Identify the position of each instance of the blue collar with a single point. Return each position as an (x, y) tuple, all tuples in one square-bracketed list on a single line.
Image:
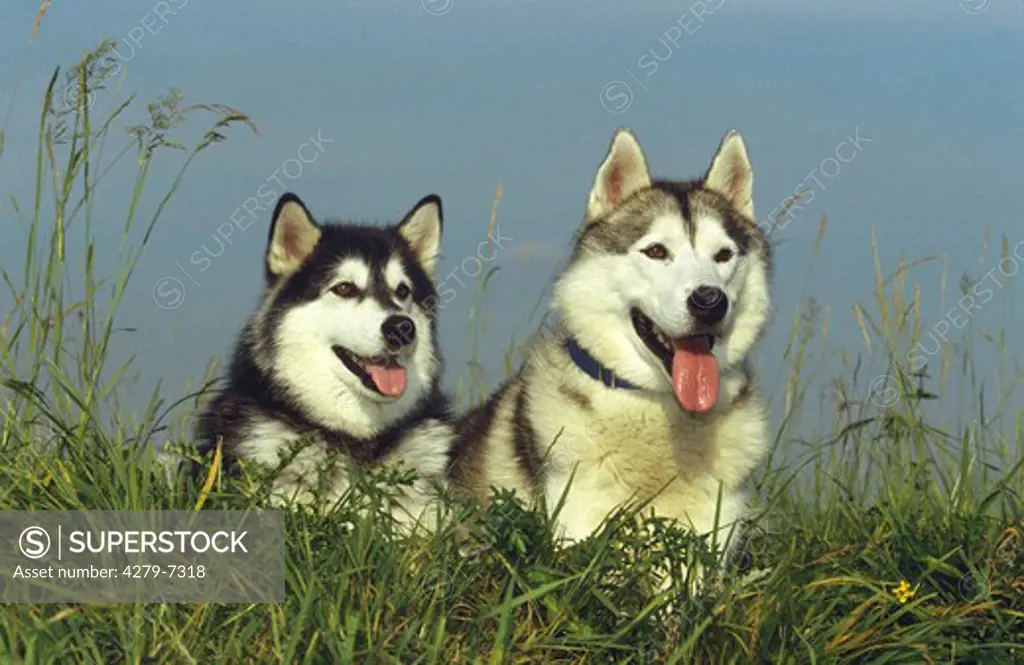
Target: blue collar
[(594, 368)]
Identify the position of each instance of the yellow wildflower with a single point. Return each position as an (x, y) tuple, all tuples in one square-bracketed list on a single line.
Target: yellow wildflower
[(903, 592)]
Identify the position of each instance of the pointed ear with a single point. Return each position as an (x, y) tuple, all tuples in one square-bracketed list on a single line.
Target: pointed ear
[(623, 172), (293, 235), (731, 174), (421, 228)]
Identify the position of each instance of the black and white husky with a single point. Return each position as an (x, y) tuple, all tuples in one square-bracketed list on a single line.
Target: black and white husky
[(643, 391), (342, 353)]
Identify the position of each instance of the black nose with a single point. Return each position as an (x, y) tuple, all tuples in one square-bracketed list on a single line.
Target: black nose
[(398, 331), (708, 304)]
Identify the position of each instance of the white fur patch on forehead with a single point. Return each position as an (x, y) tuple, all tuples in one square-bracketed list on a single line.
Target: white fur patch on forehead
[(353, 270), (395, 274), (710, 234), (667, 228)]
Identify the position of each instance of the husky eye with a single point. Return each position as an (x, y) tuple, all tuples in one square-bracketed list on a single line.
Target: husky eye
[(723, 256), (656, 251), (345, 290), (402, 292)]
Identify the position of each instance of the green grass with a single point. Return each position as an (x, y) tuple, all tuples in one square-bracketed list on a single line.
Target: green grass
[(885, 496)]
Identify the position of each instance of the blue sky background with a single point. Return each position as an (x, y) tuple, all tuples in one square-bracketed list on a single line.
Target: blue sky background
[(515, 92)]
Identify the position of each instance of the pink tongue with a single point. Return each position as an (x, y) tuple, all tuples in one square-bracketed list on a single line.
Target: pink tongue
[(695, 374), (389, 379)]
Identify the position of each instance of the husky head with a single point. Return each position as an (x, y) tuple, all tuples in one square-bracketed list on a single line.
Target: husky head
[(345, 329), (668, 282)]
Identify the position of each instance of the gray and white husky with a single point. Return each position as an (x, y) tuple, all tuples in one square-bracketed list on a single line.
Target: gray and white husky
[(341, 353), (643, 391)]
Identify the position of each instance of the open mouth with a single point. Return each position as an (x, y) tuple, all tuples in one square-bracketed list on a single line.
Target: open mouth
[(688, 361), (383, 374)]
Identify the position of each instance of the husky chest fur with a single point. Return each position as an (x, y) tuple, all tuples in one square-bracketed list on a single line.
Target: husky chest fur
[(341, 353), (641, 389)]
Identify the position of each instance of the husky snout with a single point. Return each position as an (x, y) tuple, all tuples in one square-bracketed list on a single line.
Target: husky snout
[(399, 333), (708, 305)]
